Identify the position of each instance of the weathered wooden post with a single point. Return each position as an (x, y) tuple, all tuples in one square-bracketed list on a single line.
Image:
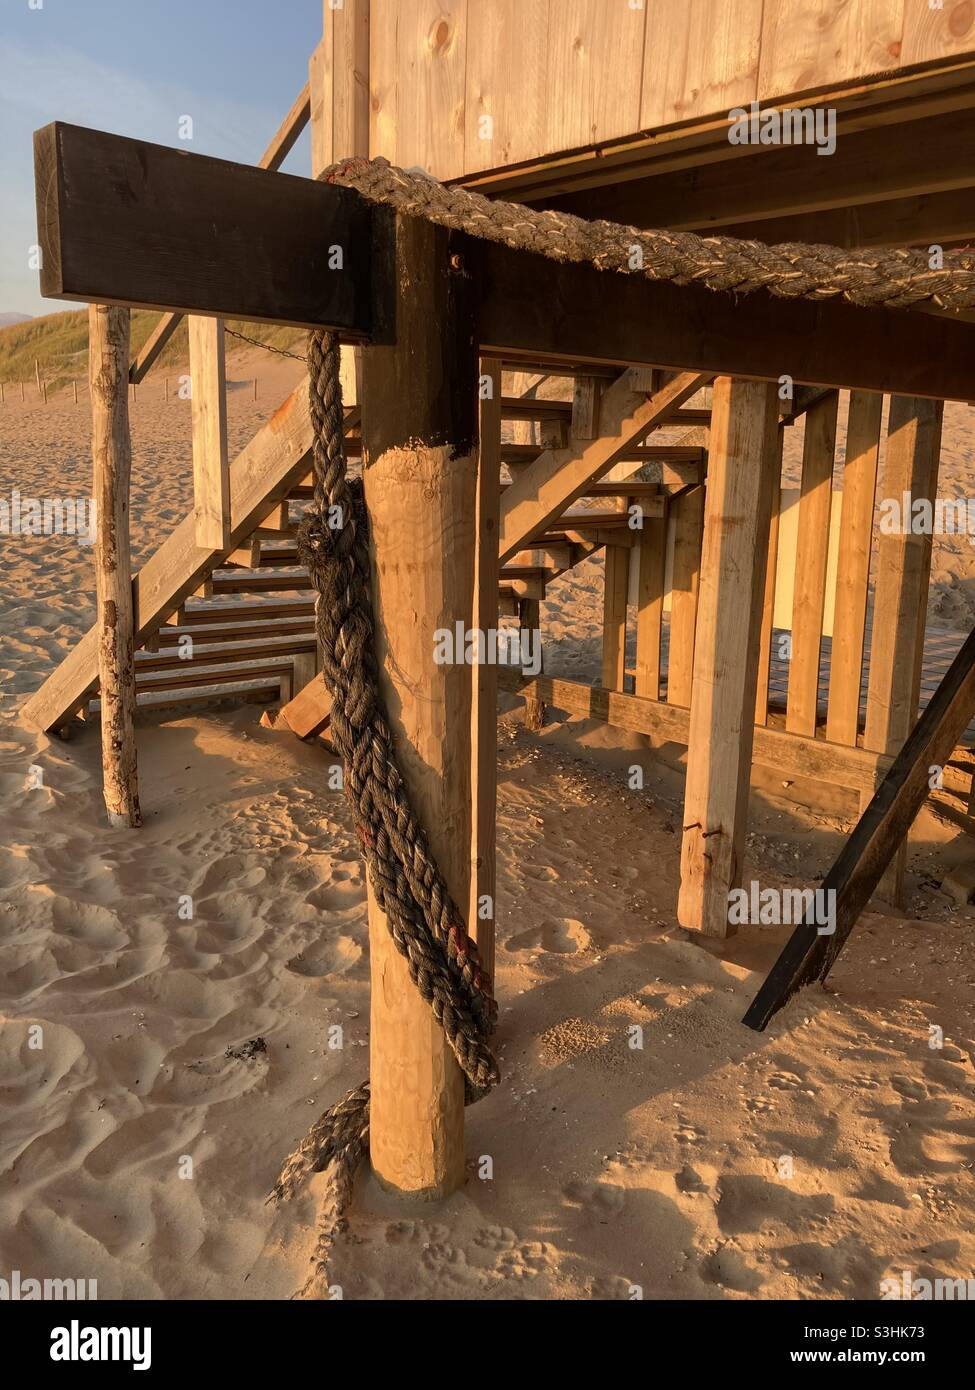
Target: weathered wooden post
[(419, 449), (108, 366), (742, 473)]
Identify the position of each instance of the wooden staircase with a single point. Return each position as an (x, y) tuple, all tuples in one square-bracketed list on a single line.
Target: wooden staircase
[(238, 623)]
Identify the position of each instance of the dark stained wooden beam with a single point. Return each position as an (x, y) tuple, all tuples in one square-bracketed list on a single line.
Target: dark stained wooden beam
[(539, 307), (121, 221), (273, 157), (124, 222), (809, 956)]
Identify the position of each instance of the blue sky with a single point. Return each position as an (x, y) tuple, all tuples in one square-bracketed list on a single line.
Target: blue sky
[(135, 67)]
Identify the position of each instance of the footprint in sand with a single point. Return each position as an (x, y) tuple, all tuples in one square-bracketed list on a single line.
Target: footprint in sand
[(562, 935), (600, 1198), (329, 956), (729, 1269), (689, 1134), (785, 1081)]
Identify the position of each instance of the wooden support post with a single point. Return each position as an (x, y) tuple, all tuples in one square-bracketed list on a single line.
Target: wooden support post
[(688, 529), (484, 712), (768, 605), (108, 357), (741, 477), (811, 952), (211, 462), (615, 590), (812, 555), (853, 566), (650, 604), (419, 440), (901, 590)]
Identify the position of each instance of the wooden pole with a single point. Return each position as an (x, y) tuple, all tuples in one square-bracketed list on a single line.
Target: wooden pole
[(37, 375), (22, 395), (484, 714), (419, 448), (742, 472), (74, 385), (44, 391), (108, 357)]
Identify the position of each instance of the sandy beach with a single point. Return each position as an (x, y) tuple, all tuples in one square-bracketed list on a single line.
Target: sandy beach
[(710, 1162)]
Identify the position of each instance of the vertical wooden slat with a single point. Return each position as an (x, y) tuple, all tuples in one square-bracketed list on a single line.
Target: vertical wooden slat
[(742, 474), (111, 448), (506, 84), (812, 556), (595, 65), (768, 603), (616, 584), (211, 459), (688, 531), (350, 80), (853, 566), (901, 590), (700, 57), (484, 714), (652, 563)]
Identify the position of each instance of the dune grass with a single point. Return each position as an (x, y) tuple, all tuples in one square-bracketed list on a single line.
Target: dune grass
[(59, 344)]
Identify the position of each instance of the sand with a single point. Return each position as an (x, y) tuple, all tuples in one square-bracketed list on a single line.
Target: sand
[(710, 1162)]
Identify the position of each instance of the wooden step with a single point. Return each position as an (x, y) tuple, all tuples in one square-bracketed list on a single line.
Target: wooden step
[(255, 582), (215, 675), (231, 652), (236, 632), (216, 613)]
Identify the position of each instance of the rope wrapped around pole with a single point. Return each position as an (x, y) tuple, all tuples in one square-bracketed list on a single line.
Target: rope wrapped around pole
[(424, 922)]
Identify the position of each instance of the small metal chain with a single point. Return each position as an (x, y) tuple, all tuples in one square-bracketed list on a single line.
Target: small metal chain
[(281, 352)]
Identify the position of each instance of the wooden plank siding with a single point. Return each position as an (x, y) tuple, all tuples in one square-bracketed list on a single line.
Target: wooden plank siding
[(538, 68)]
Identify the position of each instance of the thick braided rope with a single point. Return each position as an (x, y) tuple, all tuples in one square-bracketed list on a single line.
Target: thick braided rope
[(896, 279), (422, 919)]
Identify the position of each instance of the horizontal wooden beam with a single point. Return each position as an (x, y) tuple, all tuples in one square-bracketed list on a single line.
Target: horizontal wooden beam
[(125, 222), (533, 305), (789, 754), (121, 221), (272, 158)]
